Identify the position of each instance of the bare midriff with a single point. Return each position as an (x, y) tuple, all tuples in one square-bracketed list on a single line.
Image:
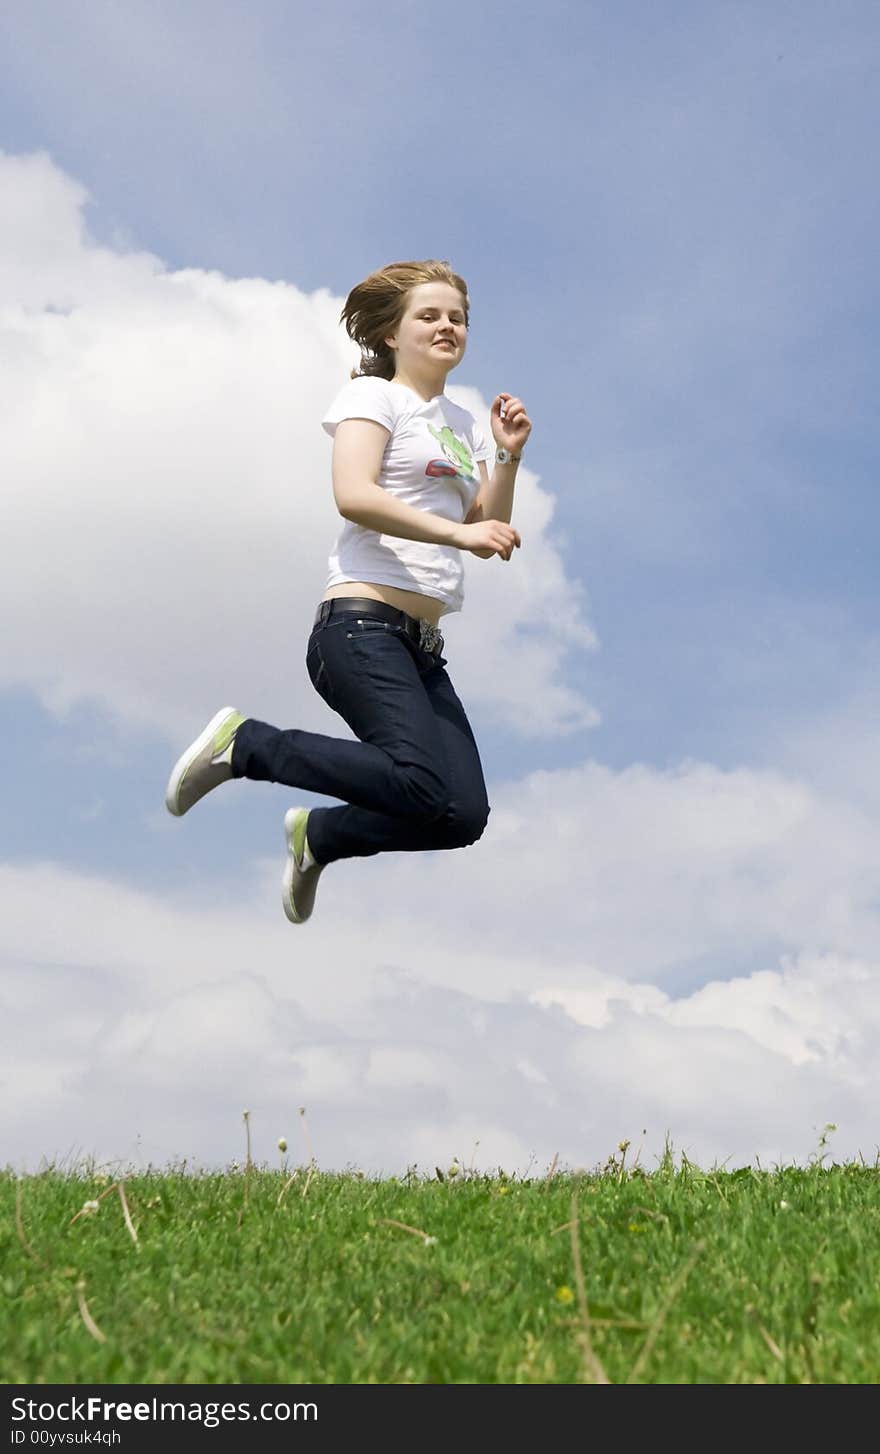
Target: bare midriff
[(424, 608)]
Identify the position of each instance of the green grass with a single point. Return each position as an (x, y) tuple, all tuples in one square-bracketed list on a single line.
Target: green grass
[(675, 1276)]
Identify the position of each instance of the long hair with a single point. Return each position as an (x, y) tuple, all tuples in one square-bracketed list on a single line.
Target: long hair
[(374, 308)]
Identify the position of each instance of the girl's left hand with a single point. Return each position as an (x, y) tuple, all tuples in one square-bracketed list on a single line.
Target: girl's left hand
[(512, 428)]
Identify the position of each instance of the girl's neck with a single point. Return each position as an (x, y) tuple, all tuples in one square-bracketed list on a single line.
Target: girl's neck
[(427, 388)]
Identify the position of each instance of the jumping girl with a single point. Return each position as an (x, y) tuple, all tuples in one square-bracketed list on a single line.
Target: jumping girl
[(411, 481)]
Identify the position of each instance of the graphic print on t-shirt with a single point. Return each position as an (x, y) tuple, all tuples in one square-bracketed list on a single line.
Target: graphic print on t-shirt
[(458, 460)]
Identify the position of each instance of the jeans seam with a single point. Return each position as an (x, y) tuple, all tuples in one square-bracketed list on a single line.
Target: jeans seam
[(321, 674)]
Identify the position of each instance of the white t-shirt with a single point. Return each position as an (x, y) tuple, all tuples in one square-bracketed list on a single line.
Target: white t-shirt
[(429, 462)]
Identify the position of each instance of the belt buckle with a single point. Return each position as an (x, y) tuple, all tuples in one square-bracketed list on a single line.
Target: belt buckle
[(431, 638)]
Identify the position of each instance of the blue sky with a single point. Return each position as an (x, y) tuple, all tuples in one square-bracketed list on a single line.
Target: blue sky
[(668, 223)]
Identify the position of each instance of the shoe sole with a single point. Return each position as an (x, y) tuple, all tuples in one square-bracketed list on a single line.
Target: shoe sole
[(287, 881), (185, 762)]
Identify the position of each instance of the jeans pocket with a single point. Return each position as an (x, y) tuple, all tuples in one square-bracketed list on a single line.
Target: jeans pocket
[(368, 626)]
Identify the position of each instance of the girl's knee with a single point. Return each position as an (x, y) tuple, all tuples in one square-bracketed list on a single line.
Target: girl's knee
[(429, 797), (466, 824)]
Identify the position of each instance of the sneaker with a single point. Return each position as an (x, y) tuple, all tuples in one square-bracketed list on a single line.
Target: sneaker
[(206, 763), (301, 872)]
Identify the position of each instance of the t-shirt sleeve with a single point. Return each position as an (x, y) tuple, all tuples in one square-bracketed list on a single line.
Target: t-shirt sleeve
[(361, 398), (483, 449)]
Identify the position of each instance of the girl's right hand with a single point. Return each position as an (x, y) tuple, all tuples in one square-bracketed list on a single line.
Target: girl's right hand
[(486, 538)]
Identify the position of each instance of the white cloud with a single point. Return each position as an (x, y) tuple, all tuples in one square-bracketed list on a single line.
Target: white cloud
[(167, 490), (539, 1000), (671, 877), (837, 747)]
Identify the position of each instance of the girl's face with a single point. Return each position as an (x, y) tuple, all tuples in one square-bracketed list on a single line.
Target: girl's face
[(432, 330)]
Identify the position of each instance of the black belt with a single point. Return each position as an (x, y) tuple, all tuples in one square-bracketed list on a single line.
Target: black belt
[(421, 632)]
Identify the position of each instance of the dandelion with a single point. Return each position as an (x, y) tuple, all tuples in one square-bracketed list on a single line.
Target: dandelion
[(564, 1294), (453, 1170), (783, 1206), (503, 1191), (90, 1207), (282, 1144)]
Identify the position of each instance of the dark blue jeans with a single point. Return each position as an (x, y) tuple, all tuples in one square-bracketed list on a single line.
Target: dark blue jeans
[(413, 781)]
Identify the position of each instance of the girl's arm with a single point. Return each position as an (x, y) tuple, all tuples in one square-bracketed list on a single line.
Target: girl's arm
[(358, 447), (511, 428), (495, 498)]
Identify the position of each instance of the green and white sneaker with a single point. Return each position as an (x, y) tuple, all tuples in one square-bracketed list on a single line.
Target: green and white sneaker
[(301, 872), (206, 763)]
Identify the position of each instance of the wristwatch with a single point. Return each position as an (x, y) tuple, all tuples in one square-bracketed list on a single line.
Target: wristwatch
[(504, 456)]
